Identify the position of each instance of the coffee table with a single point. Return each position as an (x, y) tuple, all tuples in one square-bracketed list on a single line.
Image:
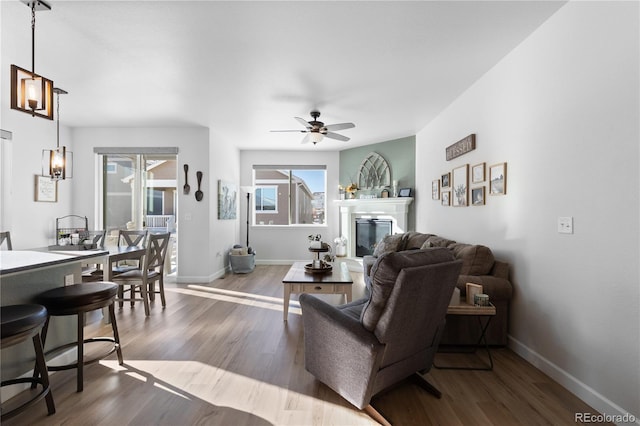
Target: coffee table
[(479, 312), (298, 280)]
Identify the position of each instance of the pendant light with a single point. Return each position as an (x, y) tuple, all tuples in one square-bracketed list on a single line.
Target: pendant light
[(30, 92), (57, 163)]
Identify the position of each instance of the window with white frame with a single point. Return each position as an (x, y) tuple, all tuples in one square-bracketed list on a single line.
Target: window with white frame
[(289, 195)]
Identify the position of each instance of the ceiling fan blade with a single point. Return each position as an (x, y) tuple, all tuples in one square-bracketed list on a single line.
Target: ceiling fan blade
[(306, 138), (336, 136), (340, 126), (297, 131), (304, 122)]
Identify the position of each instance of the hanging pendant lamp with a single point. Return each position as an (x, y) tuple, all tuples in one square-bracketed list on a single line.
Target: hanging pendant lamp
[(30, 92), (57, 163)]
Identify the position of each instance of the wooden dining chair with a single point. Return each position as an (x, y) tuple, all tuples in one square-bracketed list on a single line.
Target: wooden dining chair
[(129, 238), (93, 239), (143, 279), (6, 236)]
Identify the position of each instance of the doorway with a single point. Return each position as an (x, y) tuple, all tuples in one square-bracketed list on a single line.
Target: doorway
[(139, 191)]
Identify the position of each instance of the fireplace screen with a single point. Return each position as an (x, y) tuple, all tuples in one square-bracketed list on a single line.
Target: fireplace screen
[(370, 232)]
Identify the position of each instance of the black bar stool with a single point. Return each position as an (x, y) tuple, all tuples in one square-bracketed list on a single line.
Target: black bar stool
[(78, 299), (19, 322)]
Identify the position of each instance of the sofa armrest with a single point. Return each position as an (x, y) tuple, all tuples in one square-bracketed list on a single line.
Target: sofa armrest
[(500, 269), (339, 351)]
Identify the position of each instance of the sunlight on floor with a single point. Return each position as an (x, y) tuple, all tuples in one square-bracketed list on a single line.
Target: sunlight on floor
[(249, 299), (195, 380)]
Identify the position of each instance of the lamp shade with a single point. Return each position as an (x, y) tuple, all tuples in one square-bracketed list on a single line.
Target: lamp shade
[(31, 93), (316, 137)]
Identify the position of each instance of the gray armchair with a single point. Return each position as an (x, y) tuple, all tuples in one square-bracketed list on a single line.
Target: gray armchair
[(364, 347)]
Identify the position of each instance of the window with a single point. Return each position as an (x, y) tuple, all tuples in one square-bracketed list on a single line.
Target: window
[(289, 195)]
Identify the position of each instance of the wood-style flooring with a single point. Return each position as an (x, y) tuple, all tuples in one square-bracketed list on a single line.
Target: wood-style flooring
[(220, 354)]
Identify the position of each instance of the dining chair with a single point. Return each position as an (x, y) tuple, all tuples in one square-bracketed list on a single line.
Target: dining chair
[(6, 236), (129, 238), (93, 239), (143, 279)]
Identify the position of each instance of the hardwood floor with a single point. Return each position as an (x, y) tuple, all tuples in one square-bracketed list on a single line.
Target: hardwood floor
[(220, 354)]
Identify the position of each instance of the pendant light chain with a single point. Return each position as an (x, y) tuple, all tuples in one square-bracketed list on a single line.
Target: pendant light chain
[(58, 120), (33, 37)]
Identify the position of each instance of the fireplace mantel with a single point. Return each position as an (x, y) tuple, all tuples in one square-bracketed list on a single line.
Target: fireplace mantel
[(396, 209)]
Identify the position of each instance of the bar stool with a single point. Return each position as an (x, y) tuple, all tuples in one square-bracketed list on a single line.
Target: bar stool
[(19, 322), (78, 299)]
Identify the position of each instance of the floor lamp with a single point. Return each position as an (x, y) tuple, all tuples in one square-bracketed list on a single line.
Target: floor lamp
[(248, 190)]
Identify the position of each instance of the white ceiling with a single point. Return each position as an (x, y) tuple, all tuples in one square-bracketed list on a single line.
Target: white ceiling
[(243, 68)]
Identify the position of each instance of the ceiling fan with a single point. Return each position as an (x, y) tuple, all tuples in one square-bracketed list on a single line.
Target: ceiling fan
[(316, 130)]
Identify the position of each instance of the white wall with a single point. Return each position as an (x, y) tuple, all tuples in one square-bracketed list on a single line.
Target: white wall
[(562, 110), (31, 223), (284, 244), (197, 239), (224, 163)]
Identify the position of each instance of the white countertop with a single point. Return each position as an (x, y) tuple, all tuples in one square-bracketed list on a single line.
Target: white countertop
[(23, 260)]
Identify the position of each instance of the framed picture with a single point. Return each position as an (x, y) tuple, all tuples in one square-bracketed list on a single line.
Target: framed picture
[(498, 179), (472, 290), (460, 186), (435, 189), (477, 173), (477, 196), (404, 192), (444, 180), (446, 198), (46, 189), (227, 200)]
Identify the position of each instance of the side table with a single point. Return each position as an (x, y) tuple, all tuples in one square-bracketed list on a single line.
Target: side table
[(480, 312)]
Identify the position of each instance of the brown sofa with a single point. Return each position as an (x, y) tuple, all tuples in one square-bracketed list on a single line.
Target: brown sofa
[(479, 267)]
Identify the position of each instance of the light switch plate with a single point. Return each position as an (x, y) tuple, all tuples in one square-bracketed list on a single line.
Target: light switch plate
[(565, 225)]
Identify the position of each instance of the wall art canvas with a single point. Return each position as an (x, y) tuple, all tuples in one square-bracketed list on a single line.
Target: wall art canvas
[(227, 200), (498, 179), (435, 189), (460, 185)]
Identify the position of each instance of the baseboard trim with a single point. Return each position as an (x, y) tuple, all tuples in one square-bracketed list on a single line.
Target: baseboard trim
[(199, 279), (586, 393)]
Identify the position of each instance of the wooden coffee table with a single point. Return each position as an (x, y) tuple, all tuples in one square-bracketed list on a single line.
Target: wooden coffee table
[(298, 280)]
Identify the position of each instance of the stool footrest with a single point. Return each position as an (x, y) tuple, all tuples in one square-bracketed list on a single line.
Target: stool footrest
[(85, 362), (33, 400)]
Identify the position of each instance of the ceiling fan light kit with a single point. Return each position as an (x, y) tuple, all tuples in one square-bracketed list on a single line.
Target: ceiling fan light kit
[(30, 92), (316, 130)]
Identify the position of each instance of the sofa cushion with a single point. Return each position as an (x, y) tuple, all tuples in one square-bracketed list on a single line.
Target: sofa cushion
[(384, 273), (435, 241), (476, 259), (414, 240), (388, 244)]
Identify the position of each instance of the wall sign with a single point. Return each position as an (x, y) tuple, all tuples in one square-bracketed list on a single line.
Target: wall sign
[(461, 147), (46, 189)]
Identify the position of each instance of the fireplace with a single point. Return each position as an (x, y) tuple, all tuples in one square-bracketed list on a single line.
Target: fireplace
[(369, 232), (394, 210)]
